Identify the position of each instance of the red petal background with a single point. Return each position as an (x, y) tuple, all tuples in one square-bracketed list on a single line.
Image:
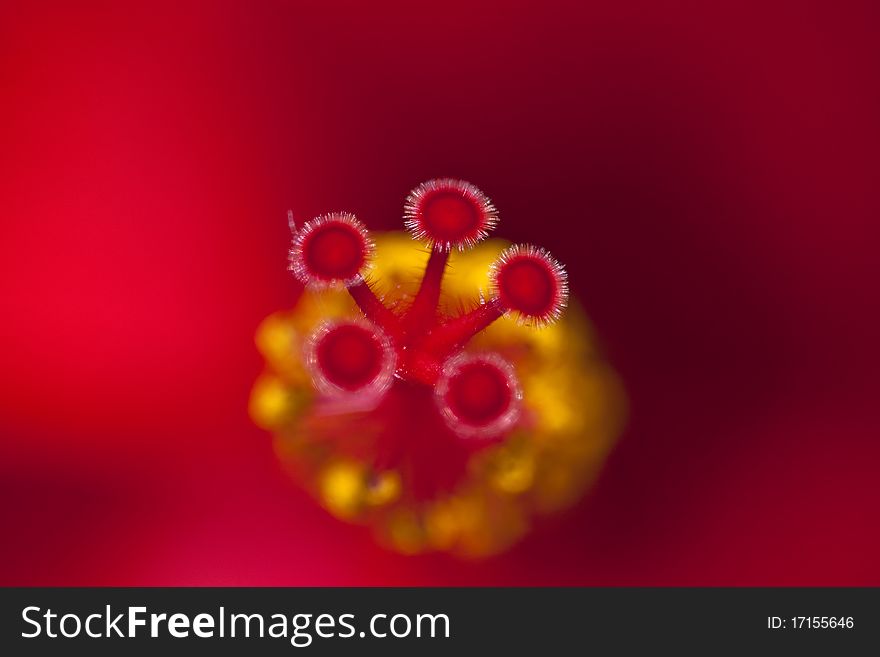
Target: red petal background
[(707, 170)]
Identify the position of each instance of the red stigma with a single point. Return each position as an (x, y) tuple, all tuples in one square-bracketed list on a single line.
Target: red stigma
[(398, 396), (408, 360), (330, 249), (449, 214), (531, 283), (526, 279), (478, 395), (416, 396), (347, 357)]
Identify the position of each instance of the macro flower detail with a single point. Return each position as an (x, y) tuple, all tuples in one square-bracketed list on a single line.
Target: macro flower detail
[(447, 411)]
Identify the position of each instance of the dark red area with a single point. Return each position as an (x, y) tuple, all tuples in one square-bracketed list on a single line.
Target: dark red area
[(707, 172), (415, 442)]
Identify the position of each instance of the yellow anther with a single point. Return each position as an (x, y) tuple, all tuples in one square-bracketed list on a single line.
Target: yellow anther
[(384, 489), (342, 488), (270, 402)]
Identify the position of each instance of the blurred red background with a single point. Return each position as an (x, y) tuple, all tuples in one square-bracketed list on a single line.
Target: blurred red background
[(707, 170)]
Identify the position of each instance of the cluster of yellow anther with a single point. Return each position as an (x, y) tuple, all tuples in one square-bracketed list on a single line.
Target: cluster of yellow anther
[(573, 407)]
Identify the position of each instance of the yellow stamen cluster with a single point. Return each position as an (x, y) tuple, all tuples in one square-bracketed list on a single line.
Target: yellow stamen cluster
[(573, 407)]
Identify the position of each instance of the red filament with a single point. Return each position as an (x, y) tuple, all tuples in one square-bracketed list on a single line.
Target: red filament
[(448, 213)]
